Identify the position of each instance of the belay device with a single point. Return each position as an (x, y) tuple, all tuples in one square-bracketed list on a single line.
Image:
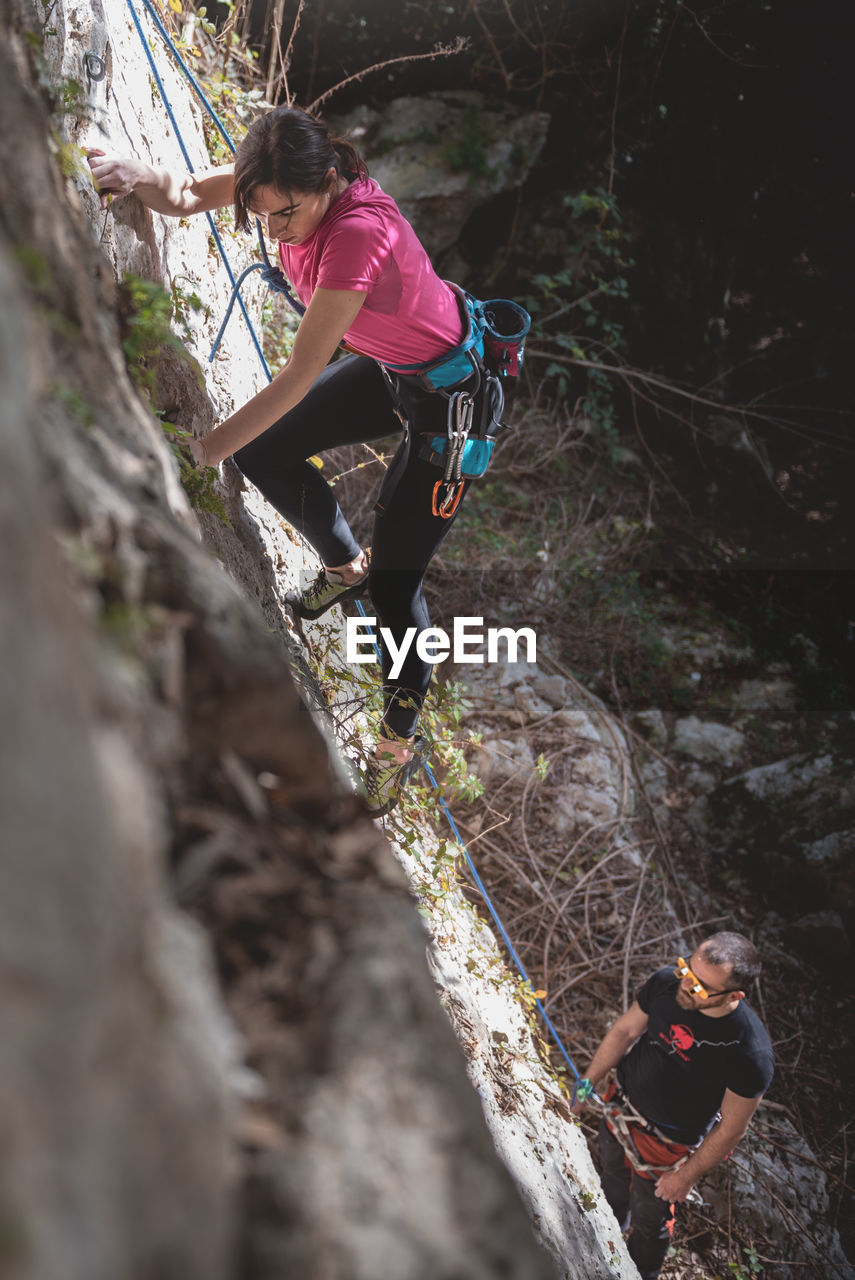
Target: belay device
[(491, 352)]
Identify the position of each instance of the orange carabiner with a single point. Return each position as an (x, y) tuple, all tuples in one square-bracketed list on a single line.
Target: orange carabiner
[(447, 507)]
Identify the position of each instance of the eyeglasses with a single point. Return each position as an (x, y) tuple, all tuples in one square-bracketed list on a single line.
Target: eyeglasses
[(697, 988)]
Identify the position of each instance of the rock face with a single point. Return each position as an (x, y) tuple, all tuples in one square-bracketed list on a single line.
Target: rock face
[(779, 1158), (157, 746), (113, 1061), (700, 740), (443, 156)]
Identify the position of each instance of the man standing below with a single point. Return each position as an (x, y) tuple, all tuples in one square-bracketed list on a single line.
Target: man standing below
[(693, 1061)]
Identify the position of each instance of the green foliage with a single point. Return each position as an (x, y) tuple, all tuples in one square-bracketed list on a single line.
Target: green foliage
[(467, 152), (197, 481), (586, 1200), (440, 722), (69, 98), (236, 106), (591, 284), (71, 159), (749, 1268), (145, 311), (185, 301)]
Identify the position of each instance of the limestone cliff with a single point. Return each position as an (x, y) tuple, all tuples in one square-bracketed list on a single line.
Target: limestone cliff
[(222, 1050)]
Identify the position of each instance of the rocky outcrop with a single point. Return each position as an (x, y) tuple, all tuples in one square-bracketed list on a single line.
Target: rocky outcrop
[(778, 1184), (444, 155)]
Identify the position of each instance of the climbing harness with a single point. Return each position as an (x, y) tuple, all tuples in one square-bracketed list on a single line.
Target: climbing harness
[(495, 341), (491, 351), (646, 1148)]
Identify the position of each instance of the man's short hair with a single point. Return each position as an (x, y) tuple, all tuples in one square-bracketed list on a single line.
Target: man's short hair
[(736, 952)]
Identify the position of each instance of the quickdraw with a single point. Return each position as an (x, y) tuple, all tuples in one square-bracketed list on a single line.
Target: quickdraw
[(447, 505), (461, 408)]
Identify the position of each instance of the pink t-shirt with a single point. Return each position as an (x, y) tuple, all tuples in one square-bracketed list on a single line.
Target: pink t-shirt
[(364, 243)]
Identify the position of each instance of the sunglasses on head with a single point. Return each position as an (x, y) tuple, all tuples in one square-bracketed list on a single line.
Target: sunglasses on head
[(697, 988)]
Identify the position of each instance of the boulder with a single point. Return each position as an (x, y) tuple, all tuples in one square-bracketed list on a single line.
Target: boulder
[(498, 759), (553, 689), (772, 1182), (578, 808), (772, 694), (444, 155), (652, 725), (706, 740), (530, 706)]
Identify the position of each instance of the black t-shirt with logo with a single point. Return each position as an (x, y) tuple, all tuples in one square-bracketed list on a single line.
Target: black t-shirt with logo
[(677, 1071)]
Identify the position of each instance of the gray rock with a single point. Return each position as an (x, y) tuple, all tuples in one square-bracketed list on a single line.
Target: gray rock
[(579, 723), (530, 706), (553, 689), (579, 808), (783, 1196), (500, 758), (774, 816), (494, 683), (698, 817), (443, 155), (706, 740), (784, 778), (652, 725), (834, 847), (700, 781), (773, 694)]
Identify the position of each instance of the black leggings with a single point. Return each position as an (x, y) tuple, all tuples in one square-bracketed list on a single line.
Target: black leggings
[(350, 403)]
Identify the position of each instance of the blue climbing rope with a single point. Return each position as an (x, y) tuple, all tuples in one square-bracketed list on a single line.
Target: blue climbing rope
[(489, 904), (494, 913), (200, 94), (271, 274), (213, 226)]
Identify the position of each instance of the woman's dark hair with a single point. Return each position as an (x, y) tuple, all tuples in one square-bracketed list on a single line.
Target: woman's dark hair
[(292, 150), (733, 951)]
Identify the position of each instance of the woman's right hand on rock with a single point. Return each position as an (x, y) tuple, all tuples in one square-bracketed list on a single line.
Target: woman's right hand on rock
[(114, 175)]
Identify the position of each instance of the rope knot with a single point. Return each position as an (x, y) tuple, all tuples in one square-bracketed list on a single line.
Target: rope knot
[(275, 279)]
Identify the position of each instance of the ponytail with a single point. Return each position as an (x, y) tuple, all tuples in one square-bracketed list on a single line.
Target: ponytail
[(293, 151)]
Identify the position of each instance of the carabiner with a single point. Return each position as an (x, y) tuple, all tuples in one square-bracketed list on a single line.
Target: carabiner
[(449, 504)]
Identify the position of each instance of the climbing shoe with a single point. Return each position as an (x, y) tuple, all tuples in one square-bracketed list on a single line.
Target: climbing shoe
[(386, 777), (327, 589)]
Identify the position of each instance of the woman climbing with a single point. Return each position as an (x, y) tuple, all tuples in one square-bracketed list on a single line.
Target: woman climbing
[(357, 265)]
